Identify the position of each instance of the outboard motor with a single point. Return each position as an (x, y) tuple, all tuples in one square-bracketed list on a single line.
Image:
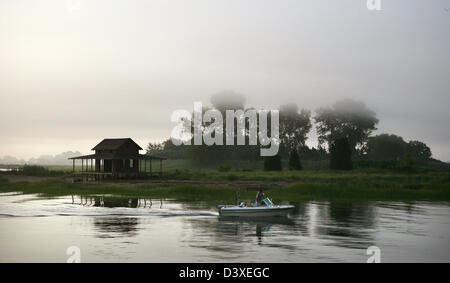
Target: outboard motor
[(219, 207)]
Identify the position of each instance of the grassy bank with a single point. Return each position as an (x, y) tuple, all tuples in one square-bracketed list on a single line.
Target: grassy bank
[(305, 185)]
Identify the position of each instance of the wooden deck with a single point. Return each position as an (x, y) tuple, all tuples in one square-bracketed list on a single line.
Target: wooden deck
[(97, 176)]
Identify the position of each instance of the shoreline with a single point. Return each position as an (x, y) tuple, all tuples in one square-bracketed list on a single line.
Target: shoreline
[(350, 187)]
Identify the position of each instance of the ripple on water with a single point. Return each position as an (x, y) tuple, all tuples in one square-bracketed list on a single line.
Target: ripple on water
[(116, 229)]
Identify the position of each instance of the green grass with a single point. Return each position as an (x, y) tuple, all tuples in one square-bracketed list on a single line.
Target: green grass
[(59, 187), (181, 164), (303, 185), (366, 176)]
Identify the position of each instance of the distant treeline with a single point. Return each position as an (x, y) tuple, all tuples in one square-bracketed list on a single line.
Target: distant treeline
[(34, 170), (346, 120), (59, 159)]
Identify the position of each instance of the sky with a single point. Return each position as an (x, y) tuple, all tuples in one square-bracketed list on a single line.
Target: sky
[(71, 75)]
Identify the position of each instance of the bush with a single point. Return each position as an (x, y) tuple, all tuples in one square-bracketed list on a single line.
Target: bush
[(294, 161), (232, 177), (273, 163), (224, 167), (341, 155), (35, 170)]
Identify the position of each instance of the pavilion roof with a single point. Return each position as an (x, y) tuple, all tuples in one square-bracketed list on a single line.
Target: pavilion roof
[(119, 156), (114, 144)]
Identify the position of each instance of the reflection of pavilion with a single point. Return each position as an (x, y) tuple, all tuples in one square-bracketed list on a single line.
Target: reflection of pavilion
[(107, 201)]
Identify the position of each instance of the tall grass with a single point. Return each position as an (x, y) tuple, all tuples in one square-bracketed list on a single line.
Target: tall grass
[(430, 188)]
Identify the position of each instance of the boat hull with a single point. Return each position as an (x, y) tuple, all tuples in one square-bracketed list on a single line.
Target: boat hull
[(255, 211)]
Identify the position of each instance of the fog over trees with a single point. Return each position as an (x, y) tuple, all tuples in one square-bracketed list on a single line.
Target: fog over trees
[(345, 119), (120, 68), (345, 125)]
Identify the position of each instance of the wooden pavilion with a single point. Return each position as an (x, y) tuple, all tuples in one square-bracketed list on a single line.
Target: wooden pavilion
[(117, 158)]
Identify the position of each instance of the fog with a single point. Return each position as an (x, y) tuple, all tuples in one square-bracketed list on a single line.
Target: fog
[(71, 76)]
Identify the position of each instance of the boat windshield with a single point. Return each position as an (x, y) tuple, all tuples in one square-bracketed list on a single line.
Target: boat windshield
[(267, 202)]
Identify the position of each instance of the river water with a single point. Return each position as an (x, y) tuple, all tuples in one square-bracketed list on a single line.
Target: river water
[(112, 229)]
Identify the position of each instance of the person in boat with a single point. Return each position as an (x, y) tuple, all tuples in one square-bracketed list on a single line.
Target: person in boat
[(259, 197)]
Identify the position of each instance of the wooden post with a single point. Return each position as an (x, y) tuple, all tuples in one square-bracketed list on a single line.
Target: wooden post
[(82, 164), (73, 165)]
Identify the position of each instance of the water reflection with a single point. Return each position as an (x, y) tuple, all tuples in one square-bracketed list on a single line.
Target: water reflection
[(347, 224), (169, 230), (262, 225), (334, 224), (114, 227), (118, 225), (341, 223), (112, 202)]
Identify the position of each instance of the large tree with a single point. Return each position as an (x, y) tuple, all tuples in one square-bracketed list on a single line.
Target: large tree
[(419, 150), (294, 126), (348, 119), (386, 147), (340, 155), (222, 101)]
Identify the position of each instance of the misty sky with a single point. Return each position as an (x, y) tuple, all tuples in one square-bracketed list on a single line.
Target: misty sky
[(114, 68)]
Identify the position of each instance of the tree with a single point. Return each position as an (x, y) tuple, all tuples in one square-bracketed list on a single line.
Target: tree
[(419, 150), (345, 119), (294, 126), (167, 149), (341, 155), (216, 154), (273, 163), (386, 147), (313, 153), (294, 160), (155, 148)]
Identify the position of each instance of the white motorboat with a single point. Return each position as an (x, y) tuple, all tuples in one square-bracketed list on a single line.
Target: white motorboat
[(266, 209)]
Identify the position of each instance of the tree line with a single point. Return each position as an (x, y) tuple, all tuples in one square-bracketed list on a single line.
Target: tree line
[(344, 132)]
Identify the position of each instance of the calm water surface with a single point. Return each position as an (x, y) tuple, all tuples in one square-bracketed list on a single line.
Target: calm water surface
[(111, 229)]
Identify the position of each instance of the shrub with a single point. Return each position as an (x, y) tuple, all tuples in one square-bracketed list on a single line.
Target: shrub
[(232, 177), (272, 163), (224, 167), (294, 161), (35, 170)]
